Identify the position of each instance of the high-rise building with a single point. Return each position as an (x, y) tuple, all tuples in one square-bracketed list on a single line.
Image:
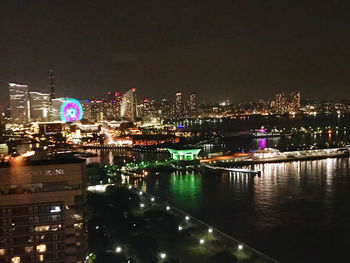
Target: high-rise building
[(86, 106), (112, 106), (295, 101), (165, 108), (287, 103), (97, 110), (129, 105), (39, 106), (55, 106), (19, 103), (178, 104), (192, 103), (41, 211)]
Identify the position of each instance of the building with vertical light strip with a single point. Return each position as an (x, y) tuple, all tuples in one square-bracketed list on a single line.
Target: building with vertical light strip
[(19, 103), (129, 105), (41, 211)]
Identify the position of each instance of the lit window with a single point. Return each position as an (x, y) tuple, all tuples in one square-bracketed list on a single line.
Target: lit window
[(16, 260), (29, 249), (55, 209), (42, 228), (2, 252), (41, 257), (41, 248)]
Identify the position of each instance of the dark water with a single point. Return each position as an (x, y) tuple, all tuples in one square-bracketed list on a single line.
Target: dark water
[(294, 212)]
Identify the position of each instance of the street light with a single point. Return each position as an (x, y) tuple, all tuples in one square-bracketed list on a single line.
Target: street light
[(152, 199), (118, 249), (162, 255), (240, 247), (187, 218), (168, 208), (210, 230), (180, 228), (201, 241)]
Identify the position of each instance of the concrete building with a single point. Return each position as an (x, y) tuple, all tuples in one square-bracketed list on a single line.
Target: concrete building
[(19, 103), (41, 211)]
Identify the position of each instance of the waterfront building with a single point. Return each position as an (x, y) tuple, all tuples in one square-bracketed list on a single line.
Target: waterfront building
[(184, 154), (129, 105), (41, 211), (39, 106), (266, 153), (19, 103)]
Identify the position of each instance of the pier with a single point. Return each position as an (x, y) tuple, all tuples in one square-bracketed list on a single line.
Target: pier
[(238, 170)]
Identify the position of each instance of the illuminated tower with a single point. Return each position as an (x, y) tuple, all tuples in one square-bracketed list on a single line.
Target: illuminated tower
[(52, 84), (129, 105), (19, 103)]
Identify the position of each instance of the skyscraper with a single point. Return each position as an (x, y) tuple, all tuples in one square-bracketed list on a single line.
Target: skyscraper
[(178, 104), (129, 105), (19, 103), (192, 103), (39, 106)]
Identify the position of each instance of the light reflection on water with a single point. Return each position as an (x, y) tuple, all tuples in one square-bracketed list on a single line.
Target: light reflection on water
[(288, 202), (295, 212)]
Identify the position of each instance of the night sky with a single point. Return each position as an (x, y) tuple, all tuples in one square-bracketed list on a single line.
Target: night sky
[(219, 49)]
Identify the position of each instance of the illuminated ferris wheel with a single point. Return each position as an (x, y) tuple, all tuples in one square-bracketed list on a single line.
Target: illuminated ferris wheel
[(71, 110)]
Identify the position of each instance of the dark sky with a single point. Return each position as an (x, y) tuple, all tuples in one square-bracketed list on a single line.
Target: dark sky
[(219, 49)]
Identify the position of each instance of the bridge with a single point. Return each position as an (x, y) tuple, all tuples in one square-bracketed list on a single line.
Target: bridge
[(237, 170)]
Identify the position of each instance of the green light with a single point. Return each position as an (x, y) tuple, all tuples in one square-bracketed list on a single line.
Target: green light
[(187, 155)]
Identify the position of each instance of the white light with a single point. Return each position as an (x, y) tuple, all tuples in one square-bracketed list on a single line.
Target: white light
[(152, 199), (140, 193), (187, 218), (180, 228), (240, 247), (118, 249), (142, 205), (55, 209), (168, 208), (201, 241), (162, 255), (130, 186), (210, 230)]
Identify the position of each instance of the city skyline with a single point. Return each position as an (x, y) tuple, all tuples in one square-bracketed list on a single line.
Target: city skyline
[(252, 50)]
